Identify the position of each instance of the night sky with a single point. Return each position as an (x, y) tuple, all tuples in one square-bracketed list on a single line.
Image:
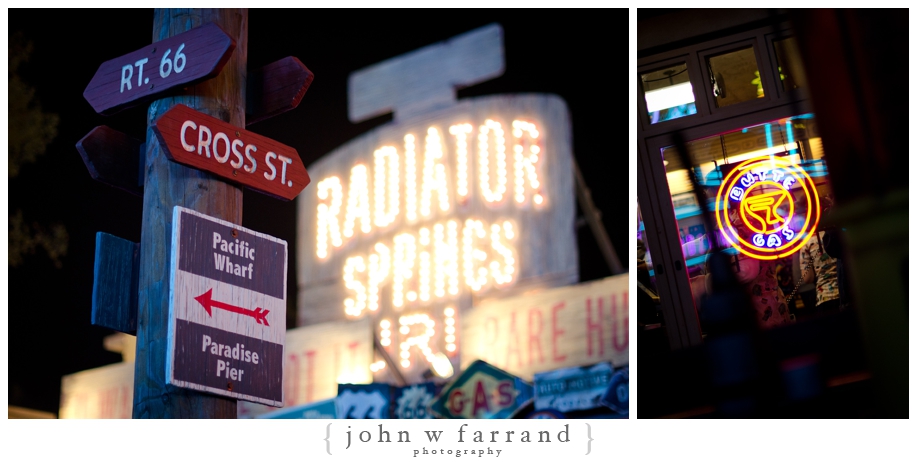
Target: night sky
[(577, 54)]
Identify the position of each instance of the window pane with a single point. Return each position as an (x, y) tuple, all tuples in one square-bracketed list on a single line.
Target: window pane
[(651, 336), (735, 77), (790, 64), (668, 93), (769, 214)]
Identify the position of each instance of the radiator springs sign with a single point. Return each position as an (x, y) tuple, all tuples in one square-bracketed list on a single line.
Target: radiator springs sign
[(406, 223)]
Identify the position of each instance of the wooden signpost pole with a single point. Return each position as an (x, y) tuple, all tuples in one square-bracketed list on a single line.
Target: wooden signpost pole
[(167, 184)]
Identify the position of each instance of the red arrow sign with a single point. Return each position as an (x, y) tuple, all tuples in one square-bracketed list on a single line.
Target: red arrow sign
[(207, 143), (142, 75), (208, 303)]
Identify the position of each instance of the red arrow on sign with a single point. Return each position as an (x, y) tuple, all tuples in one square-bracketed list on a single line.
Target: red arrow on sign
[(207, 143), (208, 302), (142, 75)]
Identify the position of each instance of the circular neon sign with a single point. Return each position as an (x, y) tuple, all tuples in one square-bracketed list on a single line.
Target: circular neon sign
[(756, 211)]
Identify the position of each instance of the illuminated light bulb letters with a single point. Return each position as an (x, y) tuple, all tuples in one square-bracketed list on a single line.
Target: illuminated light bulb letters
[(471, 254), (420, 341), (386, 168), (461, 132), (402, 271), (524, 164), (327, 220), (366, 295), (492, 194), (502, 275), (449, 316), (426, 258), (357, 201), (434, 174), (385, 333), (410, 178)]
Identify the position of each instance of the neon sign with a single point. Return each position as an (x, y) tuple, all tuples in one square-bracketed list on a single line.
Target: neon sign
[(757, 211), (413, 223)]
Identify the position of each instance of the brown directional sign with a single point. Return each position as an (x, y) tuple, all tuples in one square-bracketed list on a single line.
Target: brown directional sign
[(276, 88), (207, 143), (113, 158), (142, 75), (227, 309)]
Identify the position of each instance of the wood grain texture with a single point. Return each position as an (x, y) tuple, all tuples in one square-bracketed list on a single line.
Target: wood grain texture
[(168, 184), (318, 357), (557, 328), (113, 158), (276, 88), (545, 240), (257, 325), (206, 49), (269, 175), (115, 282), (427, 78)]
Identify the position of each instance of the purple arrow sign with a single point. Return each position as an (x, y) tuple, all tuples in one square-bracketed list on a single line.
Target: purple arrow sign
[(142, 75)]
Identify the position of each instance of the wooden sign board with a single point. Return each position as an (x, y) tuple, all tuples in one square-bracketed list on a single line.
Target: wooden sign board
[(105, 392), (203, 142), (227, 311), (556, 328), (115, 283), (142, 75), (482, 391), (571, 389), (317, 358), (113, 158), (275, 89)]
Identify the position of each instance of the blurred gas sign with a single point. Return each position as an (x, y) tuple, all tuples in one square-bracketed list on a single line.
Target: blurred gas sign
[(757, 211), (482, 391)]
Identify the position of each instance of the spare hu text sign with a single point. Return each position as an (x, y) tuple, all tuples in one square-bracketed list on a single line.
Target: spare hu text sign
[(227, 311), (207, 143), (142, 75)]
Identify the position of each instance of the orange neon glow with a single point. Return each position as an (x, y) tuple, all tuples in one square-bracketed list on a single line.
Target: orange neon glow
[(760, 192)]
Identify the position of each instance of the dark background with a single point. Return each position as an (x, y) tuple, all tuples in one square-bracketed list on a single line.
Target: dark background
[(581, 55)]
